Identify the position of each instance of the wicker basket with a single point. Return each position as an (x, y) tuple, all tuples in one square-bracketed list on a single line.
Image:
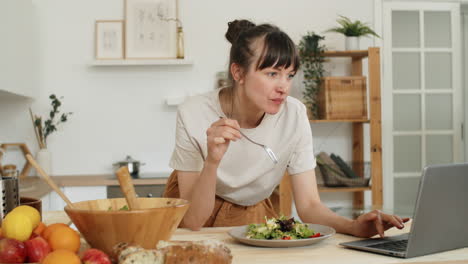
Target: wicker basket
[(343, 98)]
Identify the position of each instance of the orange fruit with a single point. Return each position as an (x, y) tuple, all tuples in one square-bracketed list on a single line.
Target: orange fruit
[(61, 256), (50, 228), (39, 229), (64, 238)]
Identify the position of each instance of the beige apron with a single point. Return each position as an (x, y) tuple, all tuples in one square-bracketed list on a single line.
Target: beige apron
[(226, 213)]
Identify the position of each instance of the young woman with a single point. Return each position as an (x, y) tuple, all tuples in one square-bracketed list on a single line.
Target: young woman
[(227, 178)]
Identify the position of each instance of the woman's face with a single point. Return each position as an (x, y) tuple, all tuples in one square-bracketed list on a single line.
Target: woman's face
[(266, 90)]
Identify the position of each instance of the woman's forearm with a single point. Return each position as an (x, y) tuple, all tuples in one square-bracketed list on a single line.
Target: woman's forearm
[(318, 213), (202, 197)]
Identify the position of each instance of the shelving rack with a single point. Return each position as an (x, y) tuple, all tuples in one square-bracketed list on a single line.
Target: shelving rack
[(282, 199)]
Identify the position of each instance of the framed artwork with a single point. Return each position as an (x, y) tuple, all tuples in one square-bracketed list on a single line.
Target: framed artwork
[(150, 29), (109, 39)]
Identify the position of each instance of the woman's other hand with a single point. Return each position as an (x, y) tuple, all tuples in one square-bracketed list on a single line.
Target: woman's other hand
[(219, 135), (376, 222)]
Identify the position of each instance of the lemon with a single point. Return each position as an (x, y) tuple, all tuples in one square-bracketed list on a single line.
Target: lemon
[(17, 225), (30, 212)]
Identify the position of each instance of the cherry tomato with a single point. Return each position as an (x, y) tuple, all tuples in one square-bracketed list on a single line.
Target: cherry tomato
[(316, 235)]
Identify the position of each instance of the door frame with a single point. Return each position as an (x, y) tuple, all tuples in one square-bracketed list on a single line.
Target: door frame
[(464, 49), (387, 116)]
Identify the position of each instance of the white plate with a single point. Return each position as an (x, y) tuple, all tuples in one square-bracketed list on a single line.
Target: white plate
[(238, 233)]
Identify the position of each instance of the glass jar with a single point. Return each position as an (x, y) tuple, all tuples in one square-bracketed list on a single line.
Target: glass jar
[(9, 171)]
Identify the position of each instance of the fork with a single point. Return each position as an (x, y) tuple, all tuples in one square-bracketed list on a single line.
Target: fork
[(268, 150)]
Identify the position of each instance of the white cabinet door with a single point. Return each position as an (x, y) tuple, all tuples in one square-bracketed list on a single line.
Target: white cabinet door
[(77, 194), (16, 47)]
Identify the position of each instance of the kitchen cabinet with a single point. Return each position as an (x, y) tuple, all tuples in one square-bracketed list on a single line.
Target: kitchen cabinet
[(282, 198), (153, 190), (16, 48), (75, 194)]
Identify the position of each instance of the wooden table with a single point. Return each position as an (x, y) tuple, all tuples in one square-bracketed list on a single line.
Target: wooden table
[(325, 252)]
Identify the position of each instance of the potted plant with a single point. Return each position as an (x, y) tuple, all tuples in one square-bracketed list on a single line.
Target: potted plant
[(311, 56), (43, 129), (352, 31)]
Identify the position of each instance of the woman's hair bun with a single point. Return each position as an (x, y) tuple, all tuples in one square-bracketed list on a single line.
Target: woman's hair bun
[(236, 27)]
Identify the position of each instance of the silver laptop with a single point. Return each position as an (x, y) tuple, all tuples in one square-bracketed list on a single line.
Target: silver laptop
[(440, 216)]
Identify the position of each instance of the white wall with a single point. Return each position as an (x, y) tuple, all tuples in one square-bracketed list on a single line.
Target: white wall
[(121, 110)]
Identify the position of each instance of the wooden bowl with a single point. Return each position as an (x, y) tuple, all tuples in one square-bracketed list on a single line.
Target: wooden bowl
[(103, 225), (33, 202)]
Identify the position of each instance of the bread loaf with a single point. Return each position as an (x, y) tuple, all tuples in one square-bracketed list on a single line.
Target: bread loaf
[(123, 249), (147, 256), (193, 252)]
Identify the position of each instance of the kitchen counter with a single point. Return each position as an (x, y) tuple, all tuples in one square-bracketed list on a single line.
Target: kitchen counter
[(325, 252), (33, 186)]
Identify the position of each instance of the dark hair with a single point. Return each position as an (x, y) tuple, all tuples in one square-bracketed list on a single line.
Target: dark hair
[(278, 48)]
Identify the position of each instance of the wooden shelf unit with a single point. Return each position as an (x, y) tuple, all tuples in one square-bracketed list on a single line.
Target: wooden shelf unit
[(339, 120), (375, 120), (343, 189)]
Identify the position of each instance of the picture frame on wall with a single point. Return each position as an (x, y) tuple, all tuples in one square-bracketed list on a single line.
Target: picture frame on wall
[(109, 39), (150, 29)]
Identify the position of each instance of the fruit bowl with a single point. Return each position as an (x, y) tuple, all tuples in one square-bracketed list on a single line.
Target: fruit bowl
[(104, 223)]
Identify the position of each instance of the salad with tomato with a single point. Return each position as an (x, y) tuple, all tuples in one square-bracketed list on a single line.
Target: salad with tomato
[(280, 228)]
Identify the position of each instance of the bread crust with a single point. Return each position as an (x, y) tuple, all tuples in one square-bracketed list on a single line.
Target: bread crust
[(175, 252), (145, 256)]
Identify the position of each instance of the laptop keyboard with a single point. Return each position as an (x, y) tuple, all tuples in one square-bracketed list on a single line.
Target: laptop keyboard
[(399, 245)]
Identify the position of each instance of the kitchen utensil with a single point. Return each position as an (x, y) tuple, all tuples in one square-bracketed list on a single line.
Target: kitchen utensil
[(132, 165), (48, 179), (10, 196), (268, 150), (103, 225), (127, 188)]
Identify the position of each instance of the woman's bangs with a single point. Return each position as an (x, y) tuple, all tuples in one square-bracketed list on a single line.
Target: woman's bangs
[(278, 52)]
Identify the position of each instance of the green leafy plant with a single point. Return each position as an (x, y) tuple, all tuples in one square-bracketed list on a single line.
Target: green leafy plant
[(311, 55), (352, 29), (46, 128)]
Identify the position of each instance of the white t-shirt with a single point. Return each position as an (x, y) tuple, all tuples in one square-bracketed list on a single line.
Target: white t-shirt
[(246, 174)]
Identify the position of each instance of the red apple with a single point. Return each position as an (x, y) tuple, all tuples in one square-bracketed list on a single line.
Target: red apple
[(12, 251), (37, 248), (95, 256)]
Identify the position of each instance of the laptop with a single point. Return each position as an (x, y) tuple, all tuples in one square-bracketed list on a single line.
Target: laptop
[(440, 219)]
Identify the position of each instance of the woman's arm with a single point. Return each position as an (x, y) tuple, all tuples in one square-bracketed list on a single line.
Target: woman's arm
[(200, 187), (309, 207), (312, 210)]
